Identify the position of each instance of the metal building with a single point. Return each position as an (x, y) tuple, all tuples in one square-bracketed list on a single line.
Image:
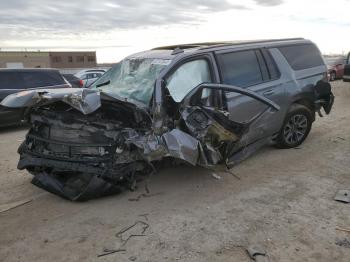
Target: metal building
[(18, 59)]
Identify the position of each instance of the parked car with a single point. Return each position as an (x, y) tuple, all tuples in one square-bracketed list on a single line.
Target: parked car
[(346, 76), (203, 104), (17, 80), (335, 67), (90, 76), (74, 81)]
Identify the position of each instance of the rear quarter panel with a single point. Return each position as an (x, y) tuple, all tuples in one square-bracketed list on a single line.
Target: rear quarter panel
[(299, 84)]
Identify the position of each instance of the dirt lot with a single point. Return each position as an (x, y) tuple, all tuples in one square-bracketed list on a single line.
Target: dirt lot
[(279, 199)]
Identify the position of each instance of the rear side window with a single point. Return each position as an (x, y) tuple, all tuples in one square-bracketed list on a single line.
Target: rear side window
[(42, 79), (274, 73), (240, 68), (11, 80), (93, 75), (302, 56)]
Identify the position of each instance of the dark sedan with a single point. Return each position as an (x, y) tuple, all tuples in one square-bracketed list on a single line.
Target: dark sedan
[(17, 80)]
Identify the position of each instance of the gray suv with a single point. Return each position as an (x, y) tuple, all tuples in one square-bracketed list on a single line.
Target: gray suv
[(203, 103)]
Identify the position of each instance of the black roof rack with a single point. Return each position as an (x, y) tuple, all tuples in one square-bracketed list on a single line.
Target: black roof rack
[(205, 45)]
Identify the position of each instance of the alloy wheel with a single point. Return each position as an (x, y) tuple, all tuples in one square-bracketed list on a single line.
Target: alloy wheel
[(295, 129)]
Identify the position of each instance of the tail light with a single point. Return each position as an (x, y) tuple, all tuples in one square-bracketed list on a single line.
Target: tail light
[(81, 83)]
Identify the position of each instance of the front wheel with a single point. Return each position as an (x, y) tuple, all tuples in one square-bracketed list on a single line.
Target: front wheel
[(296, 127)]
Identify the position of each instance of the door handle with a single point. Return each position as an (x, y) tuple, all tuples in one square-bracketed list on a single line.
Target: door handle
[(268, 92)]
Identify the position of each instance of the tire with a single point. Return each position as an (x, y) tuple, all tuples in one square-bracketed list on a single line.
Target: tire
[(296, 127), (332, 76)]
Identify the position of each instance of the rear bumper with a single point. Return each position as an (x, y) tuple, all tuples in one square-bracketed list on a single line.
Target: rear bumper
[(325, 103), (324, 97)]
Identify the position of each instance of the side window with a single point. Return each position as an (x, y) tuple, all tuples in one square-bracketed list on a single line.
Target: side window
[(41, 79), (90, 76), (11, 80), (96, 75), (240, 68), (187, 77), (302, 56)]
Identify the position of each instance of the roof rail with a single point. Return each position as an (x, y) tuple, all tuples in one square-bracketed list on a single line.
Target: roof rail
[(252, 42), (205, 45)]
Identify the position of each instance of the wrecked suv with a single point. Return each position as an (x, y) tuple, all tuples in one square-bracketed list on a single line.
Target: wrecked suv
[(203, 104)]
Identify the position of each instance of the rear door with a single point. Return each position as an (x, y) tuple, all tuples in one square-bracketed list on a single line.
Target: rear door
[(253, 70)]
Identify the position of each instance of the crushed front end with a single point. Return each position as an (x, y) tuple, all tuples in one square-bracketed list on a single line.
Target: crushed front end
[(80, 156)]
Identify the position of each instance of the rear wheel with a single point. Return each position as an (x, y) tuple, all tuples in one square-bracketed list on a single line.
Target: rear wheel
[(296, 127)]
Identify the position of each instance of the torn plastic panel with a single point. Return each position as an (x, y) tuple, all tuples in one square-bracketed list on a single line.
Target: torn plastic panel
[(324, 97), (79, 155)]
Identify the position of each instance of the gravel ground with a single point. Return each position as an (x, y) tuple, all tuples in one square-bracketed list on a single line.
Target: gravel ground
[(281, 200)]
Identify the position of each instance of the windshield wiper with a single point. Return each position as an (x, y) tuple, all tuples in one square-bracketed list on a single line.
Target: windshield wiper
[(104, 84)]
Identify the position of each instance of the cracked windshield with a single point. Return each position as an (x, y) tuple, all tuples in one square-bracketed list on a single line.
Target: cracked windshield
[(132, 78)]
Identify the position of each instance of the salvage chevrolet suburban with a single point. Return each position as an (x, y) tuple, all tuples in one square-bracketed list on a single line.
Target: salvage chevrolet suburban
[(202, 103)]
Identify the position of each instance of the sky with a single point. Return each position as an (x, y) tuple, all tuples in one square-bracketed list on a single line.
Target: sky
[(117, 28)]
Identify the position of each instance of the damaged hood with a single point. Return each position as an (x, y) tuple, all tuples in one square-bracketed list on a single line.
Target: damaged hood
[(84, 100)]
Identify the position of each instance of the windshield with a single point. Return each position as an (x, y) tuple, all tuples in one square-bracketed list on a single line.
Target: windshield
[(133, 78)]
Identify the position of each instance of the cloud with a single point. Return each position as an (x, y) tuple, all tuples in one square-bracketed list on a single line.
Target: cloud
[(269, 2), (25, 19)]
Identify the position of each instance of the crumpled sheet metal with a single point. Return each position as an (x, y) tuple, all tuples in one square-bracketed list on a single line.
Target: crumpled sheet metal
[(175, 143), (181, 145), (84, 100), (81, 186)]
